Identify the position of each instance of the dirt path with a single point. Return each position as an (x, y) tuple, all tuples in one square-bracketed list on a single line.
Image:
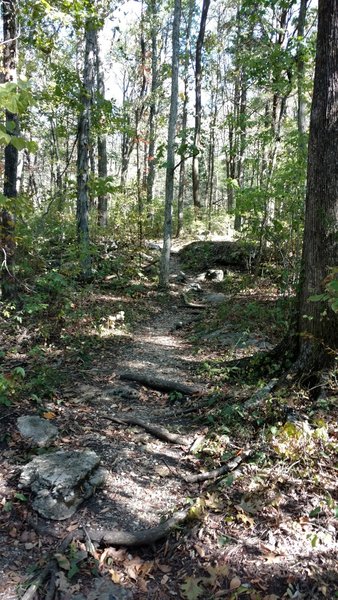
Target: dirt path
[(253, 537), (146, 475)]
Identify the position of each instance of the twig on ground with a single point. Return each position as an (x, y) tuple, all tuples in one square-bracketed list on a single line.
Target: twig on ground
[(215, 473)]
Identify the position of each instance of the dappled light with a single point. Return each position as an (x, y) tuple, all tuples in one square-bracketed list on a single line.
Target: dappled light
[(168, 300)]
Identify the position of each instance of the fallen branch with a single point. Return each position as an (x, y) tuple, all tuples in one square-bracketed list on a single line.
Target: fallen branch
[(215, 473), (160, 432), (163, 385)]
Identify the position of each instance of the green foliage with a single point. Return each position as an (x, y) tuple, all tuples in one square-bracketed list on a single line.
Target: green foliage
[(10, 385), (330, 296)]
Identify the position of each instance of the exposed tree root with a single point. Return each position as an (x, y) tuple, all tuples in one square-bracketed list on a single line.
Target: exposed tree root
[(163, 385), (196, 305), (156, 430), (215, 473), (144, 537)]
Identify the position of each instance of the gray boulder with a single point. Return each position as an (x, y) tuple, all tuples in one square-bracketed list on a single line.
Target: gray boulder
[(215, 298), (37, 431), (61, 481)]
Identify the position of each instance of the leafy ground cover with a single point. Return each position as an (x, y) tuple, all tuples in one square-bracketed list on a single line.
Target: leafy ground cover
[(262, 525)]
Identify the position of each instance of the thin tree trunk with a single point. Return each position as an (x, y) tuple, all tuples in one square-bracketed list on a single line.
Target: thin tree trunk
[(198, 107), (153, 103), (181, 184), (102, 161), (8, 243), (83, 164), (301, 118), (169, 183)]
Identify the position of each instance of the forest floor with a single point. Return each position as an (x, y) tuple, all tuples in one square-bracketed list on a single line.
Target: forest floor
[(264, 530)]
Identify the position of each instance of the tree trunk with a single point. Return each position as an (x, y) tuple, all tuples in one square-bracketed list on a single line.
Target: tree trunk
[(8, 243), (318, 323), (169, 182), (102, 161), (153, 102), (181, 184), (198, 107), (83, 164), (300, 77)]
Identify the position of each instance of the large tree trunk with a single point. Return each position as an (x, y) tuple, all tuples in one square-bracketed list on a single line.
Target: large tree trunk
[(198, 107), (8, 243), (83, 164), (318, 324), (169, 182)]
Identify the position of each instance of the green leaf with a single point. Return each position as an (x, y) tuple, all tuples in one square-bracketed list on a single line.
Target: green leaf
[(5, 138), (18, 142), (315, 512), (73, 569), (19, 371), (21, 497)]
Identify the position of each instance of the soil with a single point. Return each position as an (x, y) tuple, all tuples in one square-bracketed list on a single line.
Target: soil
[(250, 534)]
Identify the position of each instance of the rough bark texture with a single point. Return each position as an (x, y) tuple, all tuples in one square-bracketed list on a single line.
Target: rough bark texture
[(198, 106), (102, 161), (8, 243), (318, 324), (169, 182), (83, 149)]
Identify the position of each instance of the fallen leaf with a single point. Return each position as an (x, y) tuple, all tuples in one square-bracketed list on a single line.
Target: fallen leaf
[(48, 415), (62, 561), (115, 576), (115, 555), (162, 471), (217, 572), (235, 583), (200, 551), (142, 584), (190, 589), (164, 568)]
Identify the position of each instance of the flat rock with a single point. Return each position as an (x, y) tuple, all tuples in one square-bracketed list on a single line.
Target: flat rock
[(61, 481), (215, 298), (37, 431)]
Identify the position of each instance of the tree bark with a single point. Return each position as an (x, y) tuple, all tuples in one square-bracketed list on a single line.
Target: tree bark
[(83, 162), (198, 107), (153, 102), (8, 243), (102, 161), (318, 324), (169, 183), (186, 62)]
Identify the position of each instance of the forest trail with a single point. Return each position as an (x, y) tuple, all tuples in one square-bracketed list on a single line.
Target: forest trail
[(250, 537)]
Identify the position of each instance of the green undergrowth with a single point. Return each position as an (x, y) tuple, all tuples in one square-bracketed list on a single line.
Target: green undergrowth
[(60, 324)]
